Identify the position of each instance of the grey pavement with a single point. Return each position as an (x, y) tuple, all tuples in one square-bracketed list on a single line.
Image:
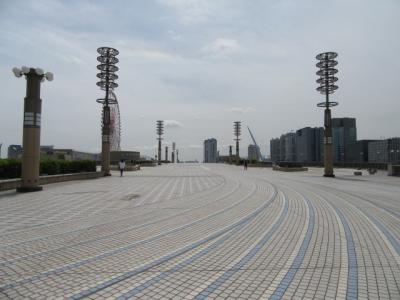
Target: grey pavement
[(204, 231)]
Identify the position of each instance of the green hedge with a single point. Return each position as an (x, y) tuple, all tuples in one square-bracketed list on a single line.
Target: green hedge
[(11, 168)]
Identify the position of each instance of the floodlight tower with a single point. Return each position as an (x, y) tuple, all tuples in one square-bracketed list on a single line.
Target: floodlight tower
[(237, 128), (160, 132), (327, 86), (32, 123), (107, 83)]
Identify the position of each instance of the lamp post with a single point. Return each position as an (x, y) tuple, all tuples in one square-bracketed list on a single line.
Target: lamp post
[(107, 83), (160, 132), (31, 133), (327, 86), (237, 127)]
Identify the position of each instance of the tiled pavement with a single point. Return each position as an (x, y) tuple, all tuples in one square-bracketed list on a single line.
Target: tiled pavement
[(204, 232)]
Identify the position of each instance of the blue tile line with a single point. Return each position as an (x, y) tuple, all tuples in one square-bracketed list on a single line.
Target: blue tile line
[(392, 239), (239, 265), (188, 261), (172, 255), (287, 280), (352, 276), (117, 251), (45, 253)]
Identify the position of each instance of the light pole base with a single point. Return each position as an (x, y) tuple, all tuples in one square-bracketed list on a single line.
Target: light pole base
[(29, 189), (329, 175)]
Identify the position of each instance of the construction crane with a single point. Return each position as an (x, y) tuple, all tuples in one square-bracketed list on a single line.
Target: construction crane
[(259, 157)]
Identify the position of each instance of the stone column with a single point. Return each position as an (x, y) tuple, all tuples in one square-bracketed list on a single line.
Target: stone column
[(328, 157), (31, 134)]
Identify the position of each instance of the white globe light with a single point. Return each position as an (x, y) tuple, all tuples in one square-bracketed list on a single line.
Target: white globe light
[(17, 72), (39, 71), (25, 70), (49, 76)]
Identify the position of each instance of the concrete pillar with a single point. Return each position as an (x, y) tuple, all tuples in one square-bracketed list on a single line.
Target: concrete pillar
[(166, 153), (328, 157), (105, 145), (159, 151), (237, 152), (230, 154), (31, 134)]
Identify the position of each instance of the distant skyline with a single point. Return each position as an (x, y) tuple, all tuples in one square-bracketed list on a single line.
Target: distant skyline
[(200, 65)]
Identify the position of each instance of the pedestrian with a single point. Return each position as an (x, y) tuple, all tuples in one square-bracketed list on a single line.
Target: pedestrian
[(121, 166), (245, 164)]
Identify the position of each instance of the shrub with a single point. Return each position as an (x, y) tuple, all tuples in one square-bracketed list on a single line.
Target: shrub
[(11, 168), (49, 167)]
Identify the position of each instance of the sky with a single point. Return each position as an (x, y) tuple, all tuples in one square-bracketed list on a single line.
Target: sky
[(200, 65)]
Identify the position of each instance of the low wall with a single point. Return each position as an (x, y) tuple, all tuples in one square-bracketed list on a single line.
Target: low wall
[(394, 170), (285, 169), (128, 168), (11, 184), (260, 165)]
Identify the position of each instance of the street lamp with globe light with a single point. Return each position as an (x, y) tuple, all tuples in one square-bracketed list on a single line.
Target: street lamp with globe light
[(32, 122)]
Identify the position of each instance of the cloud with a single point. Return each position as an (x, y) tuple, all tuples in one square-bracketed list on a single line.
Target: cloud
[(172, 124), (193, 11), (241, 110), (221, 47), (149, 54), (173, 35), (194, 146)]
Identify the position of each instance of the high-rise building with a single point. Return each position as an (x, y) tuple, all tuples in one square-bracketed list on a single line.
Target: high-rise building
[(275, 149), (309, 144), (384, 151), (290, 146), (282, 148), (358, 151), (252, 152), (344, 133), (210, 151)]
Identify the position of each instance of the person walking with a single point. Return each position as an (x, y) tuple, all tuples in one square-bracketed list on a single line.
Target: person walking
[(121, 167), (245, 164)]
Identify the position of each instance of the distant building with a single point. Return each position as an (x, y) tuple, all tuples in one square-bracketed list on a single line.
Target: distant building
[(47, 149), (384, 151), (290, 146), (71, 154), (344, 133), (309, 144), (210, 151), (14, 151), (128, 156), (358, 152), (223, 158), (282, 148), (275, 151), (252, 152)]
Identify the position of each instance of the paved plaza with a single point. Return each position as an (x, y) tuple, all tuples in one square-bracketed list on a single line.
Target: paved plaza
[(193, 231)]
